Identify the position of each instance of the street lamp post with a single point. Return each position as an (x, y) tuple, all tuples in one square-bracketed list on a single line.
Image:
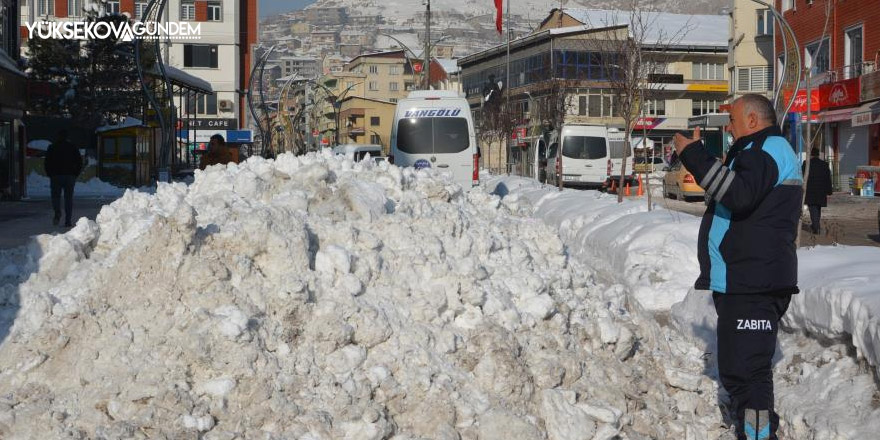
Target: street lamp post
[(428, 45)]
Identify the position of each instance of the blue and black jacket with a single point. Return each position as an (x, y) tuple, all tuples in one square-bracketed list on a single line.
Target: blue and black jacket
[(747, 237)]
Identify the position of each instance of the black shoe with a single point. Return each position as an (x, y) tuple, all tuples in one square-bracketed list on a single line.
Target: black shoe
[(56, 219)]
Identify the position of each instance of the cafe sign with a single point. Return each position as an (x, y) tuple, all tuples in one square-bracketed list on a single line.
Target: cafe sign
[(210, 124)]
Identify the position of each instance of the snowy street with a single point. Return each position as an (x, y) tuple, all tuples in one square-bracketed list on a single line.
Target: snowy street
[(313, 298)]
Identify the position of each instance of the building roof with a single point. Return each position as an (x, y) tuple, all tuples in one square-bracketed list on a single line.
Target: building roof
[(448, 64), (399, 53), (664, 29), (661, 27)]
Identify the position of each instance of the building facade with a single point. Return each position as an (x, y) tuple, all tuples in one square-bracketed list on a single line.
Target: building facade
[(568, 48), (845, 84), (751, 52), (13, 100), (366, 121)]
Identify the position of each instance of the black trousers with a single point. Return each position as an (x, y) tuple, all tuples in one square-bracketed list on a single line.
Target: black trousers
[(747, 328), (815, 217), (57, 185)]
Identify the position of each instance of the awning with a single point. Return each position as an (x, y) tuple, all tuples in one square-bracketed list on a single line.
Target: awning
[(843, 114), (182, 79), (867, 114)]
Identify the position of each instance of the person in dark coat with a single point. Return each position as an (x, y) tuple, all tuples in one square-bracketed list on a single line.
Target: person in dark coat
[(747, 254), (63, 163), (818, 188)]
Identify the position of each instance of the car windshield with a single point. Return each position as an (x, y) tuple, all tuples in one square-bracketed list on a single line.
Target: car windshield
[(584, 147), (432, 135)]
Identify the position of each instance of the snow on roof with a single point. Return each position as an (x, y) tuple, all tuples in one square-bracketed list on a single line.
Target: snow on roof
[(448, 64), (410, 40), (181, 77), (126, 123), (663, 27)]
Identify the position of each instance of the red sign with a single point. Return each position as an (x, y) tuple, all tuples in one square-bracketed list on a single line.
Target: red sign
[(518, 134), (417, 67), (325, 141), (647, 123), (840, 93), (315, 132), (800, 101)]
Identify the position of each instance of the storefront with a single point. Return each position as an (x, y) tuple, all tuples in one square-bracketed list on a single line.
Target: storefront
[(13, 99), (842, 143)]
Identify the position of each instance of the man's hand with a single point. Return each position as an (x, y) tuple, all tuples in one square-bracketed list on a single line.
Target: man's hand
[(680, 141)]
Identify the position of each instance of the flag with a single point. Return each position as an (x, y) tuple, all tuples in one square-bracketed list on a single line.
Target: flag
[(498, 4)]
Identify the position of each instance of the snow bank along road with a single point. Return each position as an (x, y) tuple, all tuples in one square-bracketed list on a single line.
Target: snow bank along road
[(313, 298), (824, 390)]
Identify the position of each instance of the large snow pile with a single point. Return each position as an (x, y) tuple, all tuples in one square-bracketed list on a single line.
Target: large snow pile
[(313, 298), (823, 387)]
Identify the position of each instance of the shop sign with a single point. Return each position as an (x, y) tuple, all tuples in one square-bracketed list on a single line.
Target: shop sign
[(870, 86), (647, 123), (212, 124), (840, 93), (800, 101)]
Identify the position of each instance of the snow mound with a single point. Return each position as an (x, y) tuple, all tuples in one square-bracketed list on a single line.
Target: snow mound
[(310, 297), (38, 185), (653, 254)]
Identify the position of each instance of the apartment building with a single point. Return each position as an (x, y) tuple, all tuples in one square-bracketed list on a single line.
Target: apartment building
[(303, 66), (750, 57), (845, 81), (333, 16), (222, 56), (389, 76)]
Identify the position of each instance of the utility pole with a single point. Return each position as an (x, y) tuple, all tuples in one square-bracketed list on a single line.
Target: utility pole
[(427, 68), (507, 115)]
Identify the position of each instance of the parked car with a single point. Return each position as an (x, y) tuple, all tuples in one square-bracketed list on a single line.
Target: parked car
[(679, 183)]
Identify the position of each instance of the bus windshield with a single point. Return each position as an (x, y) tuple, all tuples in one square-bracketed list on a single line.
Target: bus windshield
[(432, 135)]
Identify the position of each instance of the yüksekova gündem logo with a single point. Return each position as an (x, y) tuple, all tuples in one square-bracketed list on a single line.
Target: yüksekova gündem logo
[(119, 31)]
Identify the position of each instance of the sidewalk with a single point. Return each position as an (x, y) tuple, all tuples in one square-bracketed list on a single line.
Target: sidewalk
[(848, 220), (21, 220)]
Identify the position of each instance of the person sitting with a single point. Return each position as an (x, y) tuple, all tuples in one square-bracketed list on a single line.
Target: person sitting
[(218, 153)]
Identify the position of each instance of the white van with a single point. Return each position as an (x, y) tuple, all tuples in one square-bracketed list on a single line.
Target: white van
[(591, 154), (358, 151), (434, 128)]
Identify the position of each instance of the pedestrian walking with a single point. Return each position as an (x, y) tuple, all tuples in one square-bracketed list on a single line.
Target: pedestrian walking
[(747, 252), (62, 164), (818, 188), (218, 153)]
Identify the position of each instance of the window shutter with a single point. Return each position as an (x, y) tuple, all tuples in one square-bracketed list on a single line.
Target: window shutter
[(742, 84)]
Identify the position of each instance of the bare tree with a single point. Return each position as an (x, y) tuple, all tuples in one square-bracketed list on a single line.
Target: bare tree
[(634, 48), (497, 123)]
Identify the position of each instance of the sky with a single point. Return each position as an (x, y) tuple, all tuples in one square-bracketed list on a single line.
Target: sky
[(269, 7)]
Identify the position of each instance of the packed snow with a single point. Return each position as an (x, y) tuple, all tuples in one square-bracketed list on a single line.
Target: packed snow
[(38, 185), (311, 297), (653, 254), (314, 298)]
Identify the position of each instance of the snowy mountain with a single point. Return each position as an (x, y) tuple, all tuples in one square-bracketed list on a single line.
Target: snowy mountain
[(400, 11)]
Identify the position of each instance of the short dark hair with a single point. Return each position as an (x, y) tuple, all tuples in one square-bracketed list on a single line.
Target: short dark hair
[(760, 105), (218, 137), (814, 152)]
